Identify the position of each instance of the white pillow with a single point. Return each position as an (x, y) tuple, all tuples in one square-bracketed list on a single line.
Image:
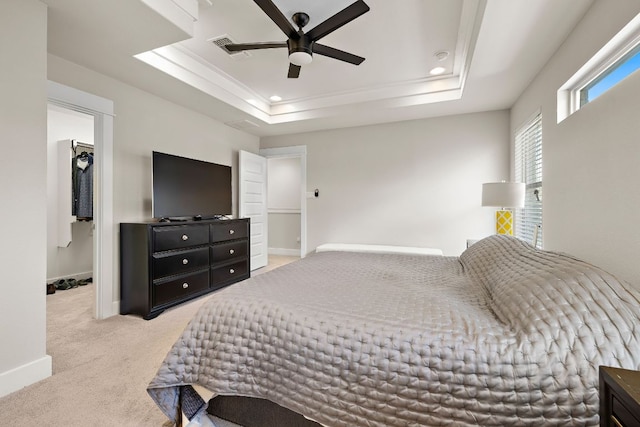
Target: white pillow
[(381, 249)]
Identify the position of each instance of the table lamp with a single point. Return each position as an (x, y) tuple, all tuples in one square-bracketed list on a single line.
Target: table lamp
[(503, 195)]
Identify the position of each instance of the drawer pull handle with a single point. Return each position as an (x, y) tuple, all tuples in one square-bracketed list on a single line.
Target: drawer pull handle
[(231, 231), (185, 261), (185, 237), (231, 270), (185, 285), (231, 251)]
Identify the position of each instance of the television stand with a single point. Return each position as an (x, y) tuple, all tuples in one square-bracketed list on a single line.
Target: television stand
[(163, 264)]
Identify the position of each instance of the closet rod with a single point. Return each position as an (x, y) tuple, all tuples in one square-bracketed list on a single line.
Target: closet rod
[(75, 143)]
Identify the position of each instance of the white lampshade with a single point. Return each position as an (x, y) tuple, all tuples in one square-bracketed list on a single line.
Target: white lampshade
[(300, 58), (503, 194)]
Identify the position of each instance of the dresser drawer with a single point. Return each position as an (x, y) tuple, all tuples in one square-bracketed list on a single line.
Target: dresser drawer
[(622, 415), (229, 272), (177, 289), (171, 263), (227, 251), (228, 231), (167, 238)]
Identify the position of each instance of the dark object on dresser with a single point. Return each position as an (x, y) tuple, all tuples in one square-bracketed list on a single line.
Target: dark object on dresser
[(619, 397), (165, 264)]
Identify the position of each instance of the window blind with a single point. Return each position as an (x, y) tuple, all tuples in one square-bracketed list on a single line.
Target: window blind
[(528, 169)]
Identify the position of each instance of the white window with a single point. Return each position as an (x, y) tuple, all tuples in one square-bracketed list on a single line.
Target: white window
[(528, 169), (611, 76), (619, 58)]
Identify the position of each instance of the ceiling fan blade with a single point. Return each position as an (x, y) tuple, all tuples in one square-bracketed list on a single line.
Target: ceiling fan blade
[(276, 16), (341, 55), (341, 18), (236, 47), (294, 71)]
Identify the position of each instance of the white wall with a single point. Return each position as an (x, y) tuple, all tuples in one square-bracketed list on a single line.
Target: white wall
[(144, 123), (414, 183), (284, 234), (283, 184), (590, 160), (75, 260), (23, 131)]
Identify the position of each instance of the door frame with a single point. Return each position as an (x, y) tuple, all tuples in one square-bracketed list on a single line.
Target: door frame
[(296, 151), (103, 258)]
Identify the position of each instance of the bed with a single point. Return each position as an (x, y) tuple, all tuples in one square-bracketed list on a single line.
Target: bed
[(503, 335)]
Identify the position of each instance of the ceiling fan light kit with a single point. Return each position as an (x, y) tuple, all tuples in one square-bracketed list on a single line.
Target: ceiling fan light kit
[(303, 45), (300, 52), (300, 58)]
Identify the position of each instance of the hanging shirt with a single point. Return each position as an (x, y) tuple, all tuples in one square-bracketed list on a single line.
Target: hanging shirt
[(84, 187)]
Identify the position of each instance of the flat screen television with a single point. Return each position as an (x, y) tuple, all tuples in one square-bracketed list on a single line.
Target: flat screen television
[(186, 188)]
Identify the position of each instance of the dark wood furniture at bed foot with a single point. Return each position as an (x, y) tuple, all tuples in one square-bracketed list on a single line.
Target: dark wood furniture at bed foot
[(251, 412), (165, 264), (619, 397)]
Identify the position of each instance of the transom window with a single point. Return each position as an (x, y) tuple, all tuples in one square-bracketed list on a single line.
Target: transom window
[(618, 59), (611, 77)]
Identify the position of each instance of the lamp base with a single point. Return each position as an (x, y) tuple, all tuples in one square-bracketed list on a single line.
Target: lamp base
[(504, 222)]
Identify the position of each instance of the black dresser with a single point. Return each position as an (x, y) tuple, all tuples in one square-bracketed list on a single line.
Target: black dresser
[(619, 397), (163, 264)]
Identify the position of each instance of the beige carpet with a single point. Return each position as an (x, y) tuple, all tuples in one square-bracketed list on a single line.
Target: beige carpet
[(101, 368)]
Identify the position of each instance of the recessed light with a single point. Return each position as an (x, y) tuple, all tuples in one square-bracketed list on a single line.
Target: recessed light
[(437, 70), (275, 98)]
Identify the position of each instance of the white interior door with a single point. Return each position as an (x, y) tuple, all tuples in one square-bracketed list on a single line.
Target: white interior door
[(253, 204)]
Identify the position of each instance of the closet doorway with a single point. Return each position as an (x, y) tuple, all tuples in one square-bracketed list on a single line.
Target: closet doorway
[(102, 229), (287, 200), (70, 227)]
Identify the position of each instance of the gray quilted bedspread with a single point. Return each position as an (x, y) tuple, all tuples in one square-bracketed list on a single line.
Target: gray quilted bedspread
[(503, 335)]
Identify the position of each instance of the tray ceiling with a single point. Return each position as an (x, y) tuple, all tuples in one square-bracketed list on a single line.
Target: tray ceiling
[(491, 48)]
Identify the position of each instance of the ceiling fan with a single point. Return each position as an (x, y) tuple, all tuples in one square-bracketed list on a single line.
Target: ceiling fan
[(303, 45)]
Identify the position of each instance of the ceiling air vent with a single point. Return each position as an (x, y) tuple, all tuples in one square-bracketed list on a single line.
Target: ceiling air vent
[(243, 124), (223, 40)]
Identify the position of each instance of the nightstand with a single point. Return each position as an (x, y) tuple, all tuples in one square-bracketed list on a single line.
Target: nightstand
[(619, 397)]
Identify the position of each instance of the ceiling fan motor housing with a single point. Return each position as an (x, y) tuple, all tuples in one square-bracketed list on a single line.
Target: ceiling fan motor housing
[(300, 51), (303, 44)]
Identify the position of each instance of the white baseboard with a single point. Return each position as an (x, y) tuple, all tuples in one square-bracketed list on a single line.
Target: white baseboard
[(77, 276), (284, 252), (27, 374)]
